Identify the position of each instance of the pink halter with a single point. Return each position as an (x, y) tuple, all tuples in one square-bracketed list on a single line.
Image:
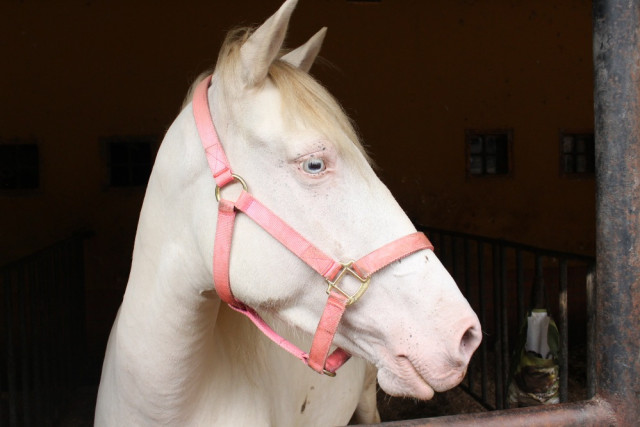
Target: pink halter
[(318, 358)]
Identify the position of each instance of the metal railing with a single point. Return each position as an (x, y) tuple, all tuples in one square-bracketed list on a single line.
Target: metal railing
[(42, 332), (504, 280), (615, 320)]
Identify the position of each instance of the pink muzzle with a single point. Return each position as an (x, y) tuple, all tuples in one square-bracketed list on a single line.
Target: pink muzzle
[(318, 357)]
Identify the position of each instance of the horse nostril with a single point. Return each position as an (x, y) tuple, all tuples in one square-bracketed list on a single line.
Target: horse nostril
[(470, 341)]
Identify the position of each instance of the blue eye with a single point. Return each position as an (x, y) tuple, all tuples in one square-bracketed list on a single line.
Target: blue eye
[(313, 165)]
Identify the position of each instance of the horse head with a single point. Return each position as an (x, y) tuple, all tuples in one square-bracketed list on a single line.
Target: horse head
[(300, 156)]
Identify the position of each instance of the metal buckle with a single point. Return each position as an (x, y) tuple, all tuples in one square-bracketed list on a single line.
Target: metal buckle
[(346, 268), (235, 178)]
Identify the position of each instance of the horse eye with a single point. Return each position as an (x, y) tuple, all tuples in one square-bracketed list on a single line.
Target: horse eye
[(313, 166)]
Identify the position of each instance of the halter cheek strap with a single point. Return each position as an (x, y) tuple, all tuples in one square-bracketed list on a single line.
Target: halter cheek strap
[(338, 300)]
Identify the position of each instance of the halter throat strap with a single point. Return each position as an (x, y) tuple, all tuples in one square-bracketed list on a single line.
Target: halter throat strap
[(338, 300)]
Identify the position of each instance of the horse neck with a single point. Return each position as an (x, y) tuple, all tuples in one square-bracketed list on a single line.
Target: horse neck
[(174, 239), (169, 309)]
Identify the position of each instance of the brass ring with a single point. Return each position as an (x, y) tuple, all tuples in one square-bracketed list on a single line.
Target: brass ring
[(235, 178), (328, 373)]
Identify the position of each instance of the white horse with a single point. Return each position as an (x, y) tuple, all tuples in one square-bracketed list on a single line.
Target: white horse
[(178, 356)]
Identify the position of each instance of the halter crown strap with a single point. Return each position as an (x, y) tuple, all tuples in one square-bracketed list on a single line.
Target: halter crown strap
[(333, 271), (216, 158)]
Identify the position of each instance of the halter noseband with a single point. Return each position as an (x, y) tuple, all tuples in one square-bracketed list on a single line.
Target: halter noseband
[(318, 357)]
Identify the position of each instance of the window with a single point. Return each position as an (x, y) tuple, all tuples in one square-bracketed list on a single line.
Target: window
[(19, 166), (577, 154), (488, 152), (129, 161)]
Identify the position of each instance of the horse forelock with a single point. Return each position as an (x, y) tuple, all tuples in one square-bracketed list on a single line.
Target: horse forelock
[(303, 97), (307, 100)]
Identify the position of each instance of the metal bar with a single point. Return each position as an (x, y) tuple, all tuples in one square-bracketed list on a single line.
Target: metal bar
[(47, 284), (77, 314), (483, 318), (564, 333), (455, 270), (617, 131), (435, 237), (504, 316), (33, 311), (10, 354), (79, 319), (64, 330), (538, 294), (467, 268), (497, 325), (24, 281), (57, 330), (591, 332), (68, 318), (594, 413), (467, 293), (520, 287), (36, 344)]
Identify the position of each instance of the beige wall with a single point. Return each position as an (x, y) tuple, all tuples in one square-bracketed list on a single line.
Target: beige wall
[(414, 75)]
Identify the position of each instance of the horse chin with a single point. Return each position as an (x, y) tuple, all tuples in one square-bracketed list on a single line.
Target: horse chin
[(405, 379), (402, 386)]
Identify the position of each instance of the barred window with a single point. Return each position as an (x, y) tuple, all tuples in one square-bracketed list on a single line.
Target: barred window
[(488, 152), (577, 154)]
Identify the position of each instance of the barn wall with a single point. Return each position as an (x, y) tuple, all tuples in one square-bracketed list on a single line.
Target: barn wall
[(413, 74)]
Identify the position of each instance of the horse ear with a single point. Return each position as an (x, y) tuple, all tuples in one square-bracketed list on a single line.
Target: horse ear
[(262, 48), (303, 56)]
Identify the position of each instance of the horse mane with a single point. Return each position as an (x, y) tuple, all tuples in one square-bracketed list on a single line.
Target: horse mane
[(304, 98)]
